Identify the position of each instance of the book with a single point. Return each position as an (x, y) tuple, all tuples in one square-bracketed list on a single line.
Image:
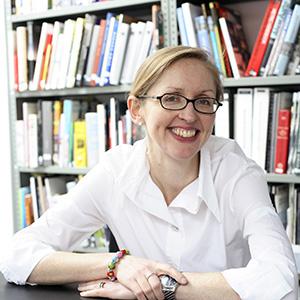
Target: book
[(16, 71), (261, 100), (46, 27), (85, 47), (181, 25), (282, 141), (222, 121), (57, 29), (119, 53), (80, 148), (190, 11), (34, 195), (47, 132), (262, 39), (239, 54), (102, 135), (22, 58), (69, 29), (92, 142), (23, 191), (243, 107), (57, 110), (288, 42), (74, 55), (112, 123), (33, 141), (203, 34), (98, 51)]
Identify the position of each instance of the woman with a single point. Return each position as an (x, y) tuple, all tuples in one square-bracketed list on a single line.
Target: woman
[(183, 202)]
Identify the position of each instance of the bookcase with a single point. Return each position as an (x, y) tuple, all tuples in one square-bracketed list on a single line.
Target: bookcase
[(252, 13)]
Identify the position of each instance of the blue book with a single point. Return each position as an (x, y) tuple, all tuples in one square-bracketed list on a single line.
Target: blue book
[(182, 31), (202, 34), (109, 15), (22, 192), (111, 52)]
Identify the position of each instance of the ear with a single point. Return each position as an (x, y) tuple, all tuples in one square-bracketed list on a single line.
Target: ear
[(135, 108)]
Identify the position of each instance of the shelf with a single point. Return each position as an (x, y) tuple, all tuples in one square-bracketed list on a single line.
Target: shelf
[(78, 91), (79, 10), (283, 178), (272, 81), (54, 170)]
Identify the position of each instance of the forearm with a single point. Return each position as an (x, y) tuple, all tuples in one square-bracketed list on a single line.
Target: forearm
[(65, 267), (208, 286)]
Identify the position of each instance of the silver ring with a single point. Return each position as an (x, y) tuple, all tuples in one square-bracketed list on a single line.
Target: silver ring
[(148, 276), (101, 284)]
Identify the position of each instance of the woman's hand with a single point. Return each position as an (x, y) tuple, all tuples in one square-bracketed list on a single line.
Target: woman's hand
[(105, 288), (140, 276)]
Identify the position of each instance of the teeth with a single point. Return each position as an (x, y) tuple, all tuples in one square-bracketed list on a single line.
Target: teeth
[(183, 132)]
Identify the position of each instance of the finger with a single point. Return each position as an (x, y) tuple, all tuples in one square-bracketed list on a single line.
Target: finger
[(146, 287), (178, 276), (136, 290), (89, 286), (156, 286), (94, 293)]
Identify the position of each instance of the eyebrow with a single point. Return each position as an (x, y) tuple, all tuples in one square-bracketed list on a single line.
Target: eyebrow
[(181, 90)]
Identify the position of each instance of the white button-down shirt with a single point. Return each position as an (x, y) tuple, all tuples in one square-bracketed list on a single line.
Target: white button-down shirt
[(222, 222)]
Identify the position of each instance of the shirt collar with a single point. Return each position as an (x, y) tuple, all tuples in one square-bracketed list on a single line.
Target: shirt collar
[(136, 173)]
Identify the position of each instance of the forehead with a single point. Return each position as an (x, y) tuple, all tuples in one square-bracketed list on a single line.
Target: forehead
[(188, 73)]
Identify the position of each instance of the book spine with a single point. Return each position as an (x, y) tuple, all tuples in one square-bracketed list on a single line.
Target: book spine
[(282, 141), (181, 25), (202, 34), (80, 151), (31, 55), (22, 58)]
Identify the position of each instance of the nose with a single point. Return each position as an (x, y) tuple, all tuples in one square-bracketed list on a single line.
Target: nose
[(189, 114)]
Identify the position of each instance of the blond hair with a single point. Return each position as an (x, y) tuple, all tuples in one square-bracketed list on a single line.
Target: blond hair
[(153, 67)]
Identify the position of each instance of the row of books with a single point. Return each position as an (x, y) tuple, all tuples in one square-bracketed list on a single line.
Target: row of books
[(85, 51), (71, 133), (286, 201), (219, 30), (23, 7), (265, 125)]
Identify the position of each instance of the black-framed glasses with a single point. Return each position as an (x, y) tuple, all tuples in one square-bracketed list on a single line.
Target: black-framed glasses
[(169, 101)]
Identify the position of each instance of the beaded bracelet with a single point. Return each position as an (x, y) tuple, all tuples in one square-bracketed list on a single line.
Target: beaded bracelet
[(110, 272)]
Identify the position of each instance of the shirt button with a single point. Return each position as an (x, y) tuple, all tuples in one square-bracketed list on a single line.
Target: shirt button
[(175, 228)]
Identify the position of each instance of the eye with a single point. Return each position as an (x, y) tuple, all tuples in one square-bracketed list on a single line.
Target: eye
[(205, 102), (172, 98)]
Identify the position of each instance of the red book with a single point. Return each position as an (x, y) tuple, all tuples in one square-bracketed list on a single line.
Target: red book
[(262, 39), (282, 141), (98, 52), (16, 74)]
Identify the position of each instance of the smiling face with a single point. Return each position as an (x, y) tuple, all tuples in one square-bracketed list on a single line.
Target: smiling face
[(178, 135)]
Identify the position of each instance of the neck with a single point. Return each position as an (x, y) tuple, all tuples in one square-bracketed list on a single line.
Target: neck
[(173, 176)]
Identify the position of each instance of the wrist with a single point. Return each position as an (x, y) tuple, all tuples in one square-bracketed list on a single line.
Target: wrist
[(111, 266)]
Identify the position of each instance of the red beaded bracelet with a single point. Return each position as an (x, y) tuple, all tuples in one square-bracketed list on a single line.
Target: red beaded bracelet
[(110, 272)]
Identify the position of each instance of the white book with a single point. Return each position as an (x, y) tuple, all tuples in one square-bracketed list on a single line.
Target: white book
[(22, 58), (75, 53), (39, 56), (28, 108), (128, 127), (190, 11), (57, 29), (57, 61), (261, 100), (101, 111), (119, 54), (69, 29), (222, 119), (243, 119), (33, 141), (20, 145), (62, 142), (112, 123), (145, 46), (134, 44), (33, 191), (92, 142), (231, 56), (120, 132), (91, 57)]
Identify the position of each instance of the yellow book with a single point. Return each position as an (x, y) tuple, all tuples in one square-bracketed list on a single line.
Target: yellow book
[(80, 151)]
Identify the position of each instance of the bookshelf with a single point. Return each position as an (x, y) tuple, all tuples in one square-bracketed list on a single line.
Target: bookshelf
[(142, 8)]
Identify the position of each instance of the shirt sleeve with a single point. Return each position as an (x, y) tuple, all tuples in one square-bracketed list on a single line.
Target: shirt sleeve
[(77, 215), (271, 273)]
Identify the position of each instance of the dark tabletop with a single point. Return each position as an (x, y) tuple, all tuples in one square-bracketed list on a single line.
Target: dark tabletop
[(9, 291)]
